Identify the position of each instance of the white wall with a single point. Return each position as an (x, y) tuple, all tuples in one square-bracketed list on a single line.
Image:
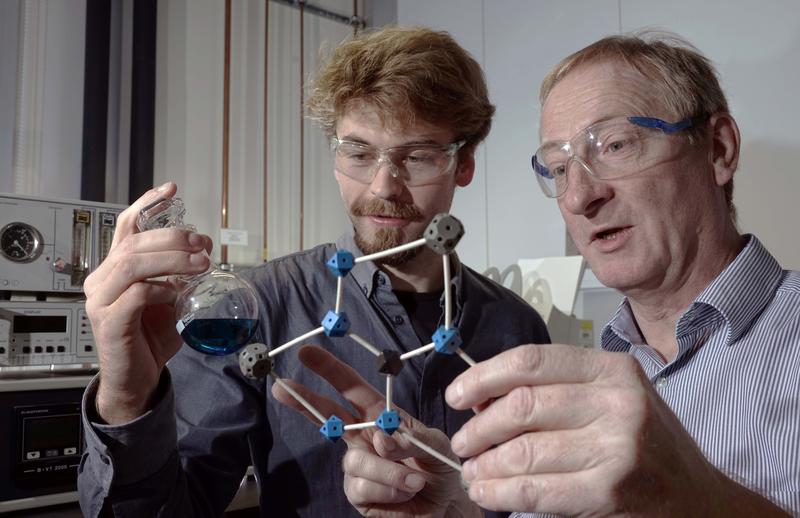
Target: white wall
[(52, 90), (189, 114), (9, 16), (755, 45)]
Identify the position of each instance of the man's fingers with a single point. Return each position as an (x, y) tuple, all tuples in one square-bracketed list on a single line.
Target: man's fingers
[(394, 447), (342, 377), (524, 365), (363, 464), (539, 453), (367, 493), (142, 245), (561, 494), (142, 294), (398, 447), (524, 409), (323, 405), (128, 308), (124, 272), (126, 222), (171, 238)]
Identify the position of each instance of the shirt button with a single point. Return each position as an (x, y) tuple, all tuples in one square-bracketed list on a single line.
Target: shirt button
[(398, 320), (381, 280), (661, 382)]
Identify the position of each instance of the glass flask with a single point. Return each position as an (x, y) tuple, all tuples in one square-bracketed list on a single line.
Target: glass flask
[(217, 310)]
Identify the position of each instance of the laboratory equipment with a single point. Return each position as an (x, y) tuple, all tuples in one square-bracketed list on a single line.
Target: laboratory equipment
[(47, 349), (217, 311), (47, 248)]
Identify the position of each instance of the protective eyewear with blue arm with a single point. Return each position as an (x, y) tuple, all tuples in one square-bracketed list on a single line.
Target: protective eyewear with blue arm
[(417, 164), (608, 150)]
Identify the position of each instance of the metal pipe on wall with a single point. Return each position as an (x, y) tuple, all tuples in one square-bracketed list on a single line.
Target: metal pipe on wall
[(265, 248), (302, 128), (324, 13), (226, 125), (355, 17)]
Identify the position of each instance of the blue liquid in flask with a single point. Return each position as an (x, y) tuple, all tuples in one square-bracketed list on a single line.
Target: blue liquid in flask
[(217, 310), (218, 336)]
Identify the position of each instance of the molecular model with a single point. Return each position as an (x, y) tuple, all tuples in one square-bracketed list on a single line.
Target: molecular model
[(441, 235)]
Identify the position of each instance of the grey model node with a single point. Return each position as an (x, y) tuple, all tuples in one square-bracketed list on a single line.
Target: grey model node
[(256, 360), (443, 233)]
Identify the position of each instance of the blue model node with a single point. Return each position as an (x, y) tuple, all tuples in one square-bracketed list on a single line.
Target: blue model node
[(446, 341), (333, 429), (336, 324), (340, 263), (388, 421)]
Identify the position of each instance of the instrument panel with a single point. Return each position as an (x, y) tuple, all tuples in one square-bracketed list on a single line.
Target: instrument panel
[(39, 333), (50, 245)]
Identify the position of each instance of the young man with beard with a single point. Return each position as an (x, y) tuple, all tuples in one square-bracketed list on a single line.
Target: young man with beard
[(405, 110)]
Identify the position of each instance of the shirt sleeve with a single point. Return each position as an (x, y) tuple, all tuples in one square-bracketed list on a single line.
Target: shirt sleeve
[(184, 457), (117, 455)]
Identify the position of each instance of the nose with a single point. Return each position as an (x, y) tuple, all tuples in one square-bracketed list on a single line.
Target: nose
[(585, 193), (387, 183)]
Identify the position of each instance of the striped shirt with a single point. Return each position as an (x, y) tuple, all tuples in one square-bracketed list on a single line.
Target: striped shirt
[(735, 382)]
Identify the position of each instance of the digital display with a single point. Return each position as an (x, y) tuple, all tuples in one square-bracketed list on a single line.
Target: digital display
[(49, 433), (40, 324)]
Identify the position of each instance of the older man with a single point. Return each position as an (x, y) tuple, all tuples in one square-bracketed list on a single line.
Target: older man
[(692, 408)]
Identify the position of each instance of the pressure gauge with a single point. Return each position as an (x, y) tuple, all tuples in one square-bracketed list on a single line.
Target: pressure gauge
[(20, 242)]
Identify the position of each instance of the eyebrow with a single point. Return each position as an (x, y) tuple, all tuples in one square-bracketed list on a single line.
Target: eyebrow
[(421, 142)]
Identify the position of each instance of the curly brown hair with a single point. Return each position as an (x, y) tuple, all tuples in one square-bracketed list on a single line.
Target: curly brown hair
[(406, 73)]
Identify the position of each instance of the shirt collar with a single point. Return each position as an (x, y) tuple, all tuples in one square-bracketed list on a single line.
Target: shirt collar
[(367, 274), (739, 293), (621, 331)]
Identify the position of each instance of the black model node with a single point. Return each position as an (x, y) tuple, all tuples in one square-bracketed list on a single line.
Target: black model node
[(389, 362)]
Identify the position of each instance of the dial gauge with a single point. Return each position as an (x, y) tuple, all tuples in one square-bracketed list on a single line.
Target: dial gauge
[(20, 242)]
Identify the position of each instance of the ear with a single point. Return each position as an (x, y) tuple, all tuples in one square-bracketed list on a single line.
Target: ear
[(725, 140), (466, 168)]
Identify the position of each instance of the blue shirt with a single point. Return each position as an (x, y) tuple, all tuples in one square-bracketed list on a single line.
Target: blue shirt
[(187, 455), (735, 382)]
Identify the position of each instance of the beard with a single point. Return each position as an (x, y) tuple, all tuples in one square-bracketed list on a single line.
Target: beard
[(386, 238)]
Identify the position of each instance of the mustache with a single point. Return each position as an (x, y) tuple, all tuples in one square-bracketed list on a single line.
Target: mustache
[(376, 207)]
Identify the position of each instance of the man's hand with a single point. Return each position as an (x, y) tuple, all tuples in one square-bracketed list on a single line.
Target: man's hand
[(383, 475), (132, 315), (582, 432)]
